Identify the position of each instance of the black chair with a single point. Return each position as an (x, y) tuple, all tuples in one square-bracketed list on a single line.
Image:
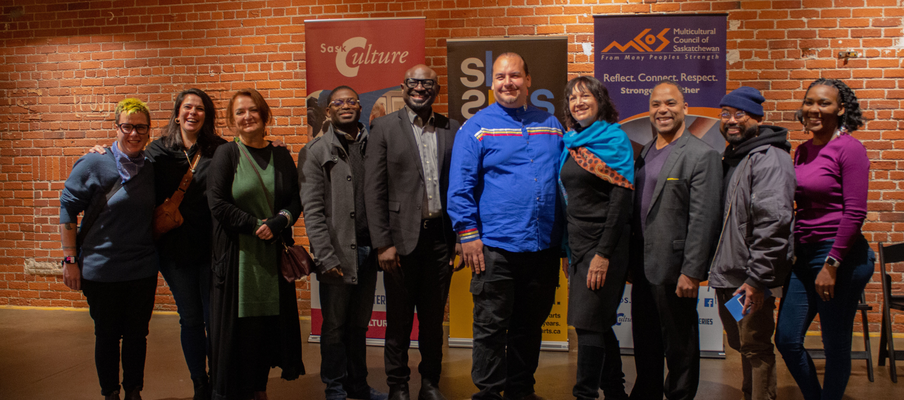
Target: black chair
[(889, 254), (866, 354)]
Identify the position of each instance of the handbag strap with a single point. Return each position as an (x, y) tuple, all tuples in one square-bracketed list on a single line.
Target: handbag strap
[(94, 209), (186, 181), (259, 179)]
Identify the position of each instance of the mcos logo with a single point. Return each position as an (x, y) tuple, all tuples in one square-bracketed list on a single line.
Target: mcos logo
[(641, 42)]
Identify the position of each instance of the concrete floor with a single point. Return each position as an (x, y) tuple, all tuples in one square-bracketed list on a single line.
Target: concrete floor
[(48, 354)]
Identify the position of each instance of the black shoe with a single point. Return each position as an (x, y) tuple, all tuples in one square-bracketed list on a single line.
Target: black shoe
[(112, 396), (429, 391), (134, 394), (399, 392), (202, 388)]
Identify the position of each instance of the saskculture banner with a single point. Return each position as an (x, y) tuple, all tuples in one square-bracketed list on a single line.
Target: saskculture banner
[(371, 56), (633, 53), (470, 65)]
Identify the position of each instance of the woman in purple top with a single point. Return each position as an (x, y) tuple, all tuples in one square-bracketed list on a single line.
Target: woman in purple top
[(834, 261)]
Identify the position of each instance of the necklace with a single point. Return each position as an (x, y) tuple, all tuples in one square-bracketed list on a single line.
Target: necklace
[(189, 161)]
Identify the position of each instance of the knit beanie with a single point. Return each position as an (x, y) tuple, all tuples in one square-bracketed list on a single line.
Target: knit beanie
[(745, 98)]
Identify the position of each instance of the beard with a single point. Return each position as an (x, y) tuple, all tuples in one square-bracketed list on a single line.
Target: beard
[(749, 132)]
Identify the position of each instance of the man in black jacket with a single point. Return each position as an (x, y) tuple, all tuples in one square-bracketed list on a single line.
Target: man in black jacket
[(754, 251), (407, 177)]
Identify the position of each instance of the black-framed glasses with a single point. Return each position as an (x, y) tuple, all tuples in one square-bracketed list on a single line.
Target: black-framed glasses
[(426, 83), (339, 102), (738, 115), (141, 129)]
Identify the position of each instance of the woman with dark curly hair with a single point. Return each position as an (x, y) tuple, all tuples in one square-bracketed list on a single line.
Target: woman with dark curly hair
[(597, 182), (833, 259)]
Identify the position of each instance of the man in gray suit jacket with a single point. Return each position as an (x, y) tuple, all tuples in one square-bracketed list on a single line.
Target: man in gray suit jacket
[(407, 177), (677, 198)]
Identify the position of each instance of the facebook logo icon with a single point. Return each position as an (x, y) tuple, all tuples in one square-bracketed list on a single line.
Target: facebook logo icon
[(709, 302)]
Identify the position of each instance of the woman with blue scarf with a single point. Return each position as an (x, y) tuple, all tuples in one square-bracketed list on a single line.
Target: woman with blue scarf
[(596, 178), (115, 262)]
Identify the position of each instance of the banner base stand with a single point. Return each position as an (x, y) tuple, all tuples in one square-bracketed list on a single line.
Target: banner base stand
[(370, 341), (545, 345), (625, 351)]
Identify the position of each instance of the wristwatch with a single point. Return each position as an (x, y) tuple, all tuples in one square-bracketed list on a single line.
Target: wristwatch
[(832, 261), (68, 260)]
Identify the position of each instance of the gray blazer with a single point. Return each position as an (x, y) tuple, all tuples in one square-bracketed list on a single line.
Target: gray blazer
[(327, 190), (683, 218), (395, 180)]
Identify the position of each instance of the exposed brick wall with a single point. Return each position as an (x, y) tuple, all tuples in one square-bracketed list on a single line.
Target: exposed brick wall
[(65, 64)]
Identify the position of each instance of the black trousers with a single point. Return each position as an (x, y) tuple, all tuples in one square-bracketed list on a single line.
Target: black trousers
[(512, 300), (121, 310), (422, 284), (664, 323)]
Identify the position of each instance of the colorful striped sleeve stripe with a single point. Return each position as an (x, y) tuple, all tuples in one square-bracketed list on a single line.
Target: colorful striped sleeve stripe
[(544, 130), (468, 235), (496, 132)]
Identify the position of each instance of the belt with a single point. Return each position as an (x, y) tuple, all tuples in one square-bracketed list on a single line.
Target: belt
[(431, 223)]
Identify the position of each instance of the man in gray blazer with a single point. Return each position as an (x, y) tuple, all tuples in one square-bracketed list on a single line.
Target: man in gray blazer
[(407, 178), (331, 176), (677, 197)]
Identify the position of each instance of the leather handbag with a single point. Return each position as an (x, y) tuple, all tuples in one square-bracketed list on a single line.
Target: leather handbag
[(167, 216), (294, 261)]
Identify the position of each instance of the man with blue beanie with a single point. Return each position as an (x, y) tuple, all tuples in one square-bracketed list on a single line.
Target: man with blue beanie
[(754, 250)]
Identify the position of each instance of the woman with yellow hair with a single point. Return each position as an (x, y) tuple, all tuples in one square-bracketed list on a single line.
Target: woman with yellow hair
[(112, 257)]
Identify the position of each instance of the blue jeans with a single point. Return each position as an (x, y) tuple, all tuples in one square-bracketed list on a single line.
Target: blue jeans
[(191, 290), (343, 338), (836, 316)]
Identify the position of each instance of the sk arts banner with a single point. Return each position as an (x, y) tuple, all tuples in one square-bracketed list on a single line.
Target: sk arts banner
[(470, 63), (370, 56), (632, 53)]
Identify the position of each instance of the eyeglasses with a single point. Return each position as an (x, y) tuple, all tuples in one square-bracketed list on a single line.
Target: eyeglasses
[(141, 129), (350, 101), (738, 115), (426, 83)]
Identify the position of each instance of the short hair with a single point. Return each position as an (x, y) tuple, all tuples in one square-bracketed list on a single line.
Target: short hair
[(513, 54), (258, 100), (673, 83), (130, 106), (338, 88), (852, 119), (605, 111)]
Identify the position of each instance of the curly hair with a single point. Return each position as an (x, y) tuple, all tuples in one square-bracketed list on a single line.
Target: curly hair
[(130, 106), (207, 137), (852, 119), (606, 110)]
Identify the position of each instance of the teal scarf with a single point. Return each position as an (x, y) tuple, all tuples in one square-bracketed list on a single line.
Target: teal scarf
[(608, 143)]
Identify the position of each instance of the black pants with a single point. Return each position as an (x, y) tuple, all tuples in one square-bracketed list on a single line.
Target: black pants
[(512, 299), (664, 323), (121, 310), (422, 283), (343, 339)]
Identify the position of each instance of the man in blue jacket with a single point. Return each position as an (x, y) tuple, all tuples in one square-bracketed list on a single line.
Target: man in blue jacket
[(503, 204)]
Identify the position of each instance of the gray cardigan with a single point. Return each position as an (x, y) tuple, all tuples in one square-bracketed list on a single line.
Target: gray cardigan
[(327, 191)]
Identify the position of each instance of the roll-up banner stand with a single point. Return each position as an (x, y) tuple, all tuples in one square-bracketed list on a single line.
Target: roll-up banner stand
[(470, 63), (631, 54), (370, 56)]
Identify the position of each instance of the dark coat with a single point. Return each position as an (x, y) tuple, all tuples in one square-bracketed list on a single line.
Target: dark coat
[(327, 190), (228, 221), (395, 180), (684, 214)]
